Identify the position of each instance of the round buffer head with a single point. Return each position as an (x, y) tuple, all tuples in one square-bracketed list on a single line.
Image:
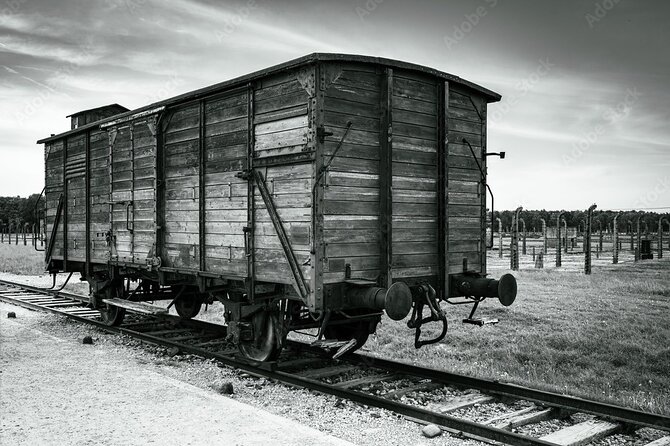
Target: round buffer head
[(398, 301), (507, 289)]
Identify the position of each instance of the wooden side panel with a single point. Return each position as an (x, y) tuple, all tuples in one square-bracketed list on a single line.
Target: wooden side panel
[(99, 195), (54, 180), (351, 183), (415, 175), (281, 123), (132, 192), (144, 191), (181, 176), (75, 208), (225, 214), (282, 127), (121, 195), (467, 199), (290, 191)]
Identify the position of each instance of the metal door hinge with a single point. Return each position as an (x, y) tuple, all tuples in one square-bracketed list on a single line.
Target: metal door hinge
[(321, 134), (245, 174)]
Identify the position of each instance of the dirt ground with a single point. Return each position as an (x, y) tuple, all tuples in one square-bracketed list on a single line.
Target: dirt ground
[(56, 391), (59, 391)]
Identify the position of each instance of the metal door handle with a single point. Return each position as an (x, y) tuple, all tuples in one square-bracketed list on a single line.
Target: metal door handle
[(128, 205)]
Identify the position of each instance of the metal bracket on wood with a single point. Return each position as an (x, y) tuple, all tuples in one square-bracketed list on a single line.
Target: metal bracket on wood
[(54, 229), (299, 281)]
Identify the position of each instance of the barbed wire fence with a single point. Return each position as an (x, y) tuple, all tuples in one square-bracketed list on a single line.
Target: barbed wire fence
[(591, 242), (19, 232)]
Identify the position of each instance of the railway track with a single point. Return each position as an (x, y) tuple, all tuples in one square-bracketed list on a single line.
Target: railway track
[(476, 408)]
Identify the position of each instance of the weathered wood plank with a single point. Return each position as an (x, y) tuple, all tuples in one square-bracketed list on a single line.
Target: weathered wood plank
[(463, 402), (285, 138), (281, 102), (226, 127), (582, 433), (345, 207), (417, 271), (278, 126)]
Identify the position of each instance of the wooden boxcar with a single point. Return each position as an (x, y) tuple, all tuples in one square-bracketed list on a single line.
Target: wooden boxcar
[(314, 193)]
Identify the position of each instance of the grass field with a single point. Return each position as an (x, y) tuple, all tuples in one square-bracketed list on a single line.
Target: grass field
[(20, 259), (604, 336)]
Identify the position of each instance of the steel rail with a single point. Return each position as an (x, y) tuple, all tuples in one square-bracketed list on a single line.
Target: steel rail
[(451, 423), (618, 413)]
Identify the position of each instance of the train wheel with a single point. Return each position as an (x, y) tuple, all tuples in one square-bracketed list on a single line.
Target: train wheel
[(266, 345), (112, 315), (355, 330), (188, 308)]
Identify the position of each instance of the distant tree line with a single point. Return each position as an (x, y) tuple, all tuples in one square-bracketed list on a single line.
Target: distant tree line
[(577, 218), (18, 210)]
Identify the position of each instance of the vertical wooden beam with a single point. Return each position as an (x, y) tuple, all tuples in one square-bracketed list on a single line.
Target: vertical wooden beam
[(251, 205), (159, 188), (482, 239), (201, 184), (87, 182), (386, 179), (65, 204), (443, 190), (111, 137), (318, 248), (131, 235)]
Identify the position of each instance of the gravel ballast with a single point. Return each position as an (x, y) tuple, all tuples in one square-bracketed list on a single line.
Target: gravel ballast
[(345, 420)]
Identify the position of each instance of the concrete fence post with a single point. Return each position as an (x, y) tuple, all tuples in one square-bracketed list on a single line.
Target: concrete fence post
[(500, 238), (558, 239), (587, 239), (565, 236), (600, 237), (639, 238), (615, 241), (23, 233), (514, 244), (16, 234), (523, 240), (544, 235), (660, 236)]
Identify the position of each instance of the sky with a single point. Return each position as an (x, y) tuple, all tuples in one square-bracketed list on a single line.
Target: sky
[(584, 118)]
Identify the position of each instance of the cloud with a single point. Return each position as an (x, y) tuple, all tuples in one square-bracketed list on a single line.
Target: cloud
[(63, 56)]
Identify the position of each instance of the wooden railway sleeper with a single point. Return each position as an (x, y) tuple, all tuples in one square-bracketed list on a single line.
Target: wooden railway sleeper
[(426, 297)]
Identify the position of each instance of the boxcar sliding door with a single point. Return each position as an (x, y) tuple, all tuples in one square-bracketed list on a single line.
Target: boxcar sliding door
[(132, 187)]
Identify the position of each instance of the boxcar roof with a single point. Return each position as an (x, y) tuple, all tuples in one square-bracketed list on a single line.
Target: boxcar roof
[(121, 109), (491, 96)]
